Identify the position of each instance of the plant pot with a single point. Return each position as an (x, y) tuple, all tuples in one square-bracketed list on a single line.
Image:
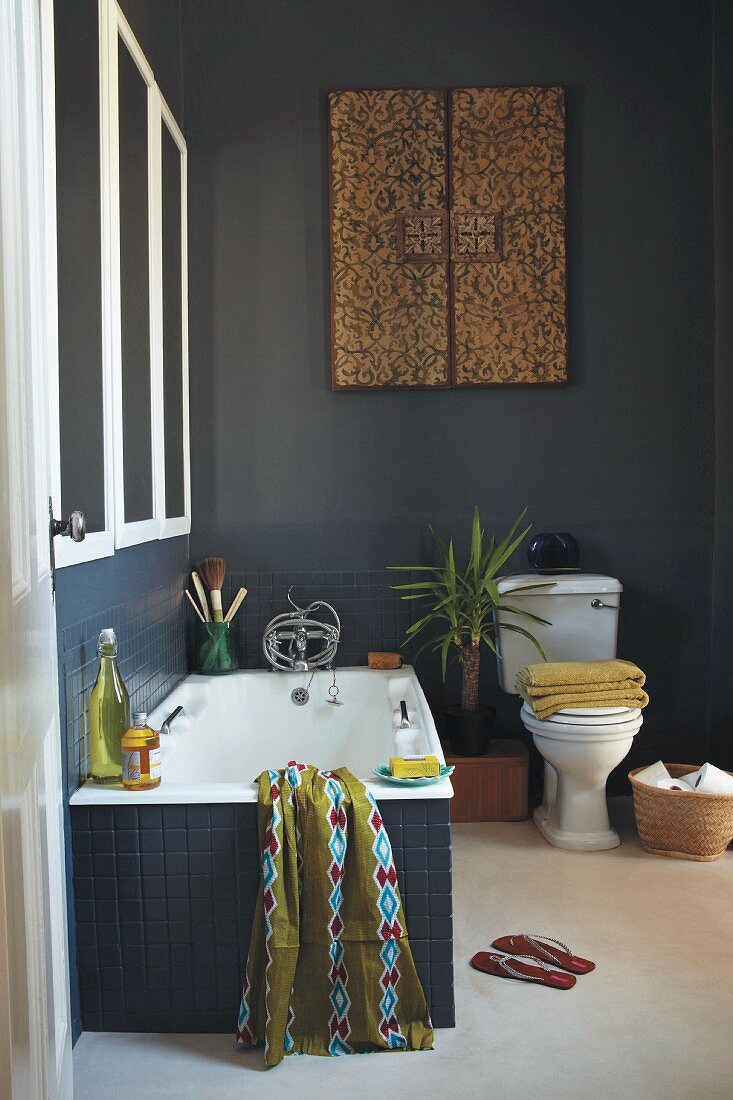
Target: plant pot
[(469, 733)]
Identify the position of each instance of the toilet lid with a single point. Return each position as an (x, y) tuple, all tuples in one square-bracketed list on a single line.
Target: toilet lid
[(587, 716)]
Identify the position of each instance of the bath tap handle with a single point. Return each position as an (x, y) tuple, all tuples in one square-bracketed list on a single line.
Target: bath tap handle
[(166, 727), (404, 719)]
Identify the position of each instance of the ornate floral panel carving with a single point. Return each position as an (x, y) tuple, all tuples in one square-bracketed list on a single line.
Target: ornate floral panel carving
[(390, 324), (476, 235), (422, 236)]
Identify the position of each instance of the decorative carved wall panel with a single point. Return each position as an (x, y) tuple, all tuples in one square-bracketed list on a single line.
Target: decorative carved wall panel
[(448, 237), (390, 319), (508, 155)]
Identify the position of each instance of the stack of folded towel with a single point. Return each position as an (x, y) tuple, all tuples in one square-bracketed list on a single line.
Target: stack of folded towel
[(560, 685)]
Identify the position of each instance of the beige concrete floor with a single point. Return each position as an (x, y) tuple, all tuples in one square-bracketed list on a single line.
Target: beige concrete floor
[(654, 1021)]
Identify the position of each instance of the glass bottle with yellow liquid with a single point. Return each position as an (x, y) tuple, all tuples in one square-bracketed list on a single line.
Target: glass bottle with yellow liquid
[(109, 714), (140, 755)]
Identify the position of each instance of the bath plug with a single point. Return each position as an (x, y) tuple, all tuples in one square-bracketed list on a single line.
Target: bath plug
[(413, 767)]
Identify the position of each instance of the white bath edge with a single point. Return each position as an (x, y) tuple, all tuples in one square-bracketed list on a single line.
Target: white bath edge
[(261, 699)]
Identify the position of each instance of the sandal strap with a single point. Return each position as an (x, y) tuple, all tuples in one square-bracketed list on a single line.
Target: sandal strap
[(533, 938), (505, 964)]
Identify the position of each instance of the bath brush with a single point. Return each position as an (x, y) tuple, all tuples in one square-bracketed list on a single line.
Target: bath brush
[(214, 570)]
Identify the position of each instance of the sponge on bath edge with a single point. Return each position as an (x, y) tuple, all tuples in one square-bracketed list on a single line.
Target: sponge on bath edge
[(384, 661)]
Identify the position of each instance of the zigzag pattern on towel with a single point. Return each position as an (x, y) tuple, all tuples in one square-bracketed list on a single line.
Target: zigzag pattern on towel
[(390, 929)]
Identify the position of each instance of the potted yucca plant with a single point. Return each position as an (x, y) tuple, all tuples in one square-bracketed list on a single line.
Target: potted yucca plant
[(463, 600)]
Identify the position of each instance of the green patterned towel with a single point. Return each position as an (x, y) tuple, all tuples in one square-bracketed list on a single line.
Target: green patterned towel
[(330, 969)]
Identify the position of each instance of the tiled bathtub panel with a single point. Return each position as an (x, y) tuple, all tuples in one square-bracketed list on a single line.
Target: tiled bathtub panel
[(165, 899)]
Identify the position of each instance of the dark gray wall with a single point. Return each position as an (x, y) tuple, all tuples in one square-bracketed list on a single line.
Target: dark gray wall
[(288, 475), (722, 604)]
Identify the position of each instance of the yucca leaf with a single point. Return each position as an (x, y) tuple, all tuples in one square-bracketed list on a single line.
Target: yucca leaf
[(501, 555), (490, 643), (420, 623), (451, 571), (526, 634), (411, 585), (522, 588), (428, 645), (444, 653), (417, 568), (490, 547), (419, 596), (491, 589), (439, 542), (523, 613), (477, 536)]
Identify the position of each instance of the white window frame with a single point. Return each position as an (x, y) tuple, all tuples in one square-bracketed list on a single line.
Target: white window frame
[(119, 533), (97, 544), (145, 530), (170, 526)]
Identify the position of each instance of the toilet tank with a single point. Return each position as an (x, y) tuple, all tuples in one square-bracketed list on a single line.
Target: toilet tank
[(582, 609)]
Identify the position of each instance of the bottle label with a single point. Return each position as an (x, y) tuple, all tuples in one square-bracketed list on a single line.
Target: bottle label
[(131, 766), (154, 763)]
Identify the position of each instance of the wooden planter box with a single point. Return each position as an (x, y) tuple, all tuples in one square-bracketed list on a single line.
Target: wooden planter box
[(492, 787)]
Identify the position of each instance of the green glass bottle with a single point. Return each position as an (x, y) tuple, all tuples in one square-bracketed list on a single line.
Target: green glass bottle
[(109, 714)]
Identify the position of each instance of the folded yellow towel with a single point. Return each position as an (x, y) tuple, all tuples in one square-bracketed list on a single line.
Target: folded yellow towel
[(414, 767), (560, 685), (554, 674)]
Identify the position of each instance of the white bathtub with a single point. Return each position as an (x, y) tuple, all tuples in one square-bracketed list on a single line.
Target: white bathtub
[(233, 727)]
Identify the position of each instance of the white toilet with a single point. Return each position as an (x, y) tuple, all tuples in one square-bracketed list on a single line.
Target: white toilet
[(580, 747)]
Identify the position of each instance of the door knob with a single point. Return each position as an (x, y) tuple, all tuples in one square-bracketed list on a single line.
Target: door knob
[(75, 527)]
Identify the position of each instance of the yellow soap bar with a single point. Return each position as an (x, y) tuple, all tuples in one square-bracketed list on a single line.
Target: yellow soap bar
[(414, 767)]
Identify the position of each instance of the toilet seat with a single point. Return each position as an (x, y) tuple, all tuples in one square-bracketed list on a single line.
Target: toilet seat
[(586, 717), (582, 727)]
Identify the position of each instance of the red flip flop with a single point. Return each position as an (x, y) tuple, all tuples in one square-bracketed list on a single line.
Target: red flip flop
[(529, 945), (503, 967)]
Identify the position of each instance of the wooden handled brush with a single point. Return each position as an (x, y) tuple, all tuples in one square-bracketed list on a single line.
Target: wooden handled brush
[(195, 606), (200, 592), (235, 604), (214, 570)]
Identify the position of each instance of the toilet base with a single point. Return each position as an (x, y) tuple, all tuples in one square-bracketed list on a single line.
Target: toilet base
[(575, 842)]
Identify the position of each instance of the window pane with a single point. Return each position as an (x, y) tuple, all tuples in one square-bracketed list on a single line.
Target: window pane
[(172, 345), (79, 261), (134, 289)]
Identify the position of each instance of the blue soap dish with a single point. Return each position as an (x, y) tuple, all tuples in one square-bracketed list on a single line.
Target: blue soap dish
[(383, 772)]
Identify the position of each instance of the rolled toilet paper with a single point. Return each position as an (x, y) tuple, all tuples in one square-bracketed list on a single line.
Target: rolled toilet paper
[(670, 784), (653, 774), (710, 780)]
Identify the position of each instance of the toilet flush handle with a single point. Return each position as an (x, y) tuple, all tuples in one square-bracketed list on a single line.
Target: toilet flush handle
[(599, 603)]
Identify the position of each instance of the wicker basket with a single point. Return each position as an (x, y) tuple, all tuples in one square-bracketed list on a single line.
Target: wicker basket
[(682, 824)]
